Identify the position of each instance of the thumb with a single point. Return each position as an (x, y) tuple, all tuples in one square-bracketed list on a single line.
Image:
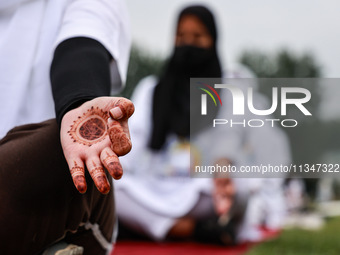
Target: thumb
[(122, 109)]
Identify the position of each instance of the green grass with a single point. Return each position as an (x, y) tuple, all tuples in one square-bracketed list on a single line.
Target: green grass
[(325, 241)]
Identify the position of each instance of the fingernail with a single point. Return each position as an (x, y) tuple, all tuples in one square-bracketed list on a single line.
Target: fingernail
[(117, 174), (116, 113), (102, 184), (81, 188), (109, 121)]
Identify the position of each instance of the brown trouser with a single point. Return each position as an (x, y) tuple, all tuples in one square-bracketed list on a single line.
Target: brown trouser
[(39, 204)]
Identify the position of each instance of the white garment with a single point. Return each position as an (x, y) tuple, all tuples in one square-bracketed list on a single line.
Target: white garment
[(29, 32)]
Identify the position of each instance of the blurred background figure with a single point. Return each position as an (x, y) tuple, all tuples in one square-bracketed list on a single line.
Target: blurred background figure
[(280, 40), (157, 198)]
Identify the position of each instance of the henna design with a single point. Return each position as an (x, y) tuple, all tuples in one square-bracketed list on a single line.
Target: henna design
[(77, 170), (90, 128), (99, 177), (108, 160), (96, 171), (113, 166), (116, 170), (78, 177), (126, 108), (121, 144)]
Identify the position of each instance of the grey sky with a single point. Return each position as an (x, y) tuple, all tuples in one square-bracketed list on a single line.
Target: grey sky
[(301, 25)]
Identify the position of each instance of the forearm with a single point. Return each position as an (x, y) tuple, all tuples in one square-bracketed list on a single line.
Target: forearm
[(79, 72)]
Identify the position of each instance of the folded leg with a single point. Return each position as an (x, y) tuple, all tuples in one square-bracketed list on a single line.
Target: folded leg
[(39, 204)]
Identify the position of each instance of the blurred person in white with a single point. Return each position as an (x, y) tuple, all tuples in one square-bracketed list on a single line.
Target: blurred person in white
[(60, 131), (266, 206), (157, 197)]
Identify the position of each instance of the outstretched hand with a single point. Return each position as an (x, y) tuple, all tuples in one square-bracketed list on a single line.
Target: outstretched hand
[(95, 134)]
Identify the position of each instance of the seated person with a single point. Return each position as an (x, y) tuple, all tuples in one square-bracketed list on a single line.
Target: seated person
[(157, 196)]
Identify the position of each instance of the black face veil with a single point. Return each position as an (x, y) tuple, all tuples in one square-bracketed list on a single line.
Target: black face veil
[(171, 99)]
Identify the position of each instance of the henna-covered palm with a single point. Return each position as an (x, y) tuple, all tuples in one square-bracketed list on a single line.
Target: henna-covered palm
[(95, 134)]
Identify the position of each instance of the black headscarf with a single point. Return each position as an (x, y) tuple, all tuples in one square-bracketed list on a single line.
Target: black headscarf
[(171, 99)]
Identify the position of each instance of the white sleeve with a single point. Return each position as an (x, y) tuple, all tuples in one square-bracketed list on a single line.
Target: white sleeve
[(103, 20)]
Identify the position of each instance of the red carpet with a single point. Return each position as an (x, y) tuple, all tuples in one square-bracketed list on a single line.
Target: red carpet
[(176, 248), (184, 248)]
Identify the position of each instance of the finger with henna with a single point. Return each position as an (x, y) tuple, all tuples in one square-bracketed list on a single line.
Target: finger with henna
[(120, 141), (123, 109), (98, 175), (78, 176), (111, 162)]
